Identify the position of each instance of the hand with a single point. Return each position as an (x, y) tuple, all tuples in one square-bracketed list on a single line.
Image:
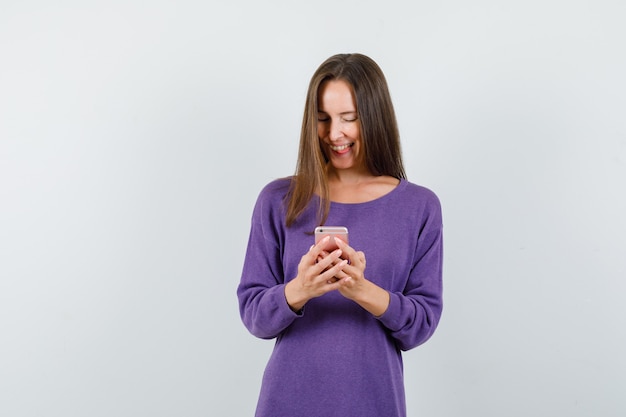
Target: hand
[(352, 275), (315, 275), (353, 284)]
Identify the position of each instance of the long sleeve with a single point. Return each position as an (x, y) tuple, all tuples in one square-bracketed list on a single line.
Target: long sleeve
[(261, 292), (413, 314)]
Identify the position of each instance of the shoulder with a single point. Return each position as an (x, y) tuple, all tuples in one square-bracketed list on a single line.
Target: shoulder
[(420, 193), (422, 203), (272, 195), (276, 188)]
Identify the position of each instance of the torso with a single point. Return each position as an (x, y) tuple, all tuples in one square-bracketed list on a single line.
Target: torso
[(364, 351)]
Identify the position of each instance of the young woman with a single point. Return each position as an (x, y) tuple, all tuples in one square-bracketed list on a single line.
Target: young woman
[(341, 319)]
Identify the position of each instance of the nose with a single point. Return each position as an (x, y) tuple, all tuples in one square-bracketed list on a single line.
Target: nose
[(335, 131)]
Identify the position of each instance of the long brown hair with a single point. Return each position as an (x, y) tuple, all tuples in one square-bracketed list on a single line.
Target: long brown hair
[(379, 131)]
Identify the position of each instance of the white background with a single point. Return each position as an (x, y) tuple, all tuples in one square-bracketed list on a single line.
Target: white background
[(135, 137)]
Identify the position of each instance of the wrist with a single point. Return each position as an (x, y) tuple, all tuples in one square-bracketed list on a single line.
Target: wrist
[(373, 299), (295, 300)]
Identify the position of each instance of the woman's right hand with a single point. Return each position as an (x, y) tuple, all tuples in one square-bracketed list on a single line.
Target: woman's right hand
[(316, 275)]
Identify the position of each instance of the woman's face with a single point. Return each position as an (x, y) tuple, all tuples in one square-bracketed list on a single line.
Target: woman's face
[(338, 126)]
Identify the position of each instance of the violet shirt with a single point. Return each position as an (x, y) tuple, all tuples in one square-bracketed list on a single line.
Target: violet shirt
[(335, 358)]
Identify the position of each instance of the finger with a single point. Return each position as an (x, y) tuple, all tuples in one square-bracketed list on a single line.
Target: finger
[(344, 246), (316, 250), (348, 251), (340, 243), (322, 243), (357, 259), (355, 270), (328, 261), (323, 254), (361, 257), (335, 271), (342, 274)]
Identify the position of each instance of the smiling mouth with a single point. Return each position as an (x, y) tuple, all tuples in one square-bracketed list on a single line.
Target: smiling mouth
[(341, 147)]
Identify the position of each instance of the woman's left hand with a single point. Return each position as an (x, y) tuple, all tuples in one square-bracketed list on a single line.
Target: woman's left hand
[(354, 285)]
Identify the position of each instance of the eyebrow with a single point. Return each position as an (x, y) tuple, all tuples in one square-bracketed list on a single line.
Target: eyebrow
[(341, 114)]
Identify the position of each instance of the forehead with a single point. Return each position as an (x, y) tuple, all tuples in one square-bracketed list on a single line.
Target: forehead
[(336, 95)]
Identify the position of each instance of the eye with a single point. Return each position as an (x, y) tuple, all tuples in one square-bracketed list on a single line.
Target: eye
[(349, 117), (323, 118)]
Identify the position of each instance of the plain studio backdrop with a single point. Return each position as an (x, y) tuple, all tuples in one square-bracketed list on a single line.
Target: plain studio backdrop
[(135, 137)]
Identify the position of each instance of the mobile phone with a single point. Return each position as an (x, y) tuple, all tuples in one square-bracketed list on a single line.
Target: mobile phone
[(339, 231)]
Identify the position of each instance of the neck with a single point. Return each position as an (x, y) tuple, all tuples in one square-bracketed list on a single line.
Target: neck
[(347, 176)]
